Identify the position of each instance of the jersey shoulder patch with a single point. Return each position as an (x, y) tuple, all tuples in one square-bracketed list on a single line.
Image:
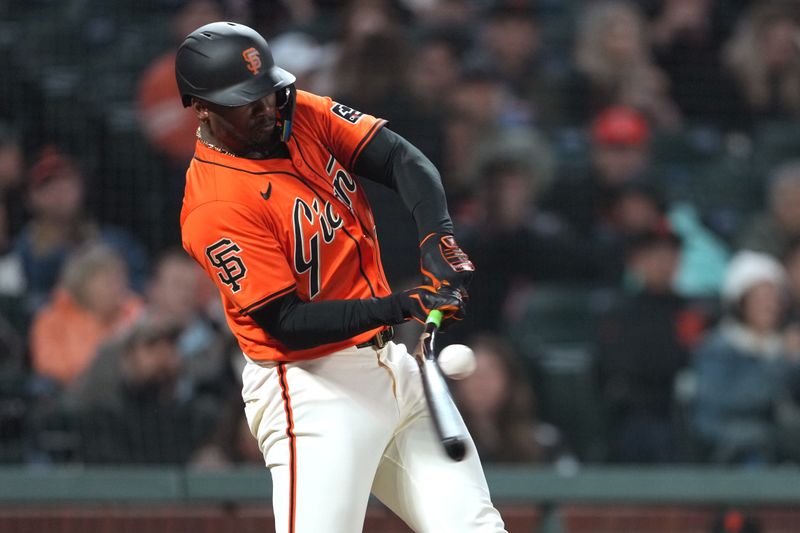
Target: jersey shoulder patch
[(346, 113)]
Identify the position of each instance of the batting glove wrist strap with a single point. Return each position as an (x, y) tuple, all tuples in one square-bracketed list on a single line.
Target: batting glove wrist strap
[(444, 263)]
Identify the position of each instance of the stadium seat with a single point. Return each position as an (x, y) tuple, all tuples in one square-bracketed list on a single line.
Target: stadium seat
[(775, 142), (558, 314), (554, 333), (565, 386)]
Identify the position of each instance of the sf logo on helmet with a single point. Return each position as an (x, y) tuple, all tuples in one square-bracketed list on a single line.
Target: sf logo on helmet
[(223, 255), (253, 59)]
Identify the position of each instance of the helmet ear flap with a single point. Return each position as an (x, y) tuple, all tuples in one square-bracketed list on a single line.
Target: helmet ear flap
[(284, 100)]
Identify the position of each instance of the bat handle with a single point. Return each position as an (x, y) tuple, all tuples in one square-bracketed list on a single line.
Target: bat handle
[(435, 318)]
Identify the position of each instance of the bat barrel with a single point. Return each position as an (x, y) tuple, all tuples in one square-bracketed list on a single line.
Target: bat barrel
[(455, 448), (444, 413)]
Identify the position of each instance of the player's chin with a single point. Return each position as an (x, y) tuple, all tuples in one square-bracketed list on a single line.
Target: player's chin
[(263, 132)]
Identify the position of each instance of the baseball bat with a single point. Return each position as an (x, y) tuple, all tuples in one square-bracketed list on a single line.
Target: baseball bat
[(443, 410)]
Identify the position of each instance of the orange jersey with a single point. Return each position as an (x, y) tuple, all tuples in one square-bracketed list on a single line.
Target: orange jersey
[(262, 229)]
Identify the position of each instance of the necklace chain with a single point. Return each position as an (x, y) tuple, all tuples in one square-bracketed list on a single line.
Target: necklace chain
[(212, 146)]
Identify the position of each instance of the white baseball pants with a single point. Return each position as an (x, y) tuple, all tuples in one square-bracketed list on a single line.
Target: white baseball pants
[(336, 428)]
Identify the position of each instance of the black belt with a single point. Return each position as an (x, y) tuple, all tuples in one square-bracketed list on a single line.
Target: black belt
[(380, 340)]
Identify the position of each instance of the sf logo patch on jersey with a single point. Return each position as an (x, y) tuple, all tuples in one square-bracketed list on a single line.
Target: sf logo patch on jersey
[(223, 255), (347, 113)]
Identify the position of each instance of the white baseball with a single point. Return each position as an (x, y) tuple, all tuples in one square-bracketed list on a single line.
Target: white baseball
[(457, 361)]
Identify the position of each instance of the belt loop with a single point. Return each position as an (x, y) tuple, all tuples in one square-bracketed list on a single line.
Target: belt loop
[(380, 340)]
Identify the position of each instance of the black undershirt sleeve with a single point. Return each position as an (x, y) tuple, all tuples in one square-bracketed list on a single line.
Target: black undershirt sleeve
[(391, 160), (299, 325)]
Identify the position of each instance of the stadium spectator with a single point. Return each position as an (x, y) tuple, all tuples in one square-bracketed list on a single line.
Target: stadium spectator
[(12, 354), (12, 175), (127, 407), (310, 62), (375, 76), (178, 292), (510, 38), (499, 408), (641, 343), (377, 22), (618, 197), (772, 231), (742, 367), (14, 395), (479, 107), (456, 13), (436, 68), (788, 415), (230, 443), (12, 277), (166, 124), (511, 42), (432, 77), (640, 207), (614, 66), (791, 262), (506, 232), (687, 39), (60, 225), (763, 57), (620, 154), (92, 302)]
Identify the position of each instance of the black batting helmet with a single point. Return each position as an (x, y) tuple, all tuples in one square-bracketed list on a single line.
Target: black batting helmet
[(231, 65)]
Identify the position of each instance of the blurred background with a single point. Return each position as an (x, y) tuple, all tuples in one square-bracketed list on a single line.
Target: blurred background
[(625, 174)]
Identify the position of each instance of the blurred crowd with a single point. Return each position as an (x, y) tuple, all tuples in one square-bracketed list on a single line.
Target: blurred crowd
[(625, 174)]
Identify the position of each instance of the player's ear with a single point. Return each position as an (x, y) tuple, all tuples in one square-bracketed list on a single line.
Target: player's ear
[(200, 109)]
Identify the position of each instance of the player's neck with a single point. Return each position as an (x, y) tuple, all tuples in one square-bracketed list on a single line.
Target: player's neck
[(208, 138)]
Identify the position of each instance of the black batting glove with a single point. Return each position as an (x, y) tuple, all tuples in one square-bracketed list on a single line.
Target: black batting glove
[(443, 263), (417, 303)]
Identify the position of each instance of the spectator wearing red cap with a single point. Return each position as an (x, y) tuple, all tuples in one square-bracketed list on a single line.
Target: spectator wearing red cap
[(620, 154), (621, 145), (616, 197), (60, 224)]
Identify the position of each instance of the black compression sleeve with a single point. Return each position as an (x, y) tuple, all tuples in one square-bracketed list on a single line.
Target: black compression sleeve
[(299, 325), (393, 161)]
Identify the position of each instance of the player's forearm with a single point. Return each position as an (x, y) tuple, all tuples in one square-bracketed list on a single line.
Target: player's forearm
[(395, 162), (299, 325)]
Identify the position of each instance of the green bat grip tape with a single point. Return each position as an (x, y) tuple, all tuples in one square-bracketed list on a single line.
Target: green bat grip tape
[(435, 318)]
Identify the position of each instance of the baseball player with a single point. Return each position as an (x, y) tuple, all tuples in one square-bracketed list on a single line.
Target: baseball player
[(273, 212)]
